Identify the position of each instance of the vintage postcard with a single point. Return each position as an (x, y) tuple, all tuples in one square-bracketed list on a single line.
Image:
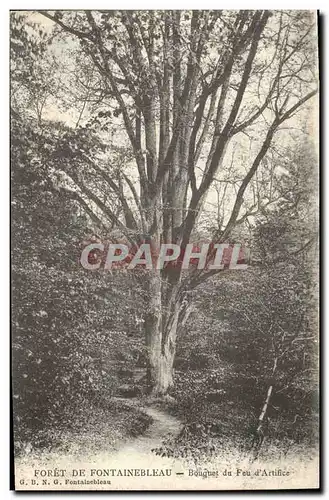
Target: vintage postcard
[(164, 194)]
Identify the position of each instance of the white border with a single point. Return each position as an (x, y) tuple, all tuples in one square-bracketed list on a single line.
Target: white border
[(4, 182)]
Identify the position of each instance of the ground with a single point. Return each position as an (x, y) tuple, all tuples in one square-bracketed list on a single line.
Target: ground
[(136, 453)]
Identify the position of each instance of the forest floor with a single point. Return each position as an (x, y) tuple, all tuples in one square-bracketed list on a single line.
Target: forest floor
[(132, 424), (101, 451), (135, 452)]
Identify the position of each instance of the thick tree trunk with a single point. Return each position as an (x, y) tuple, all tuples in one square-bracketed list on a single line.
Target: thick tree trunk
[(160, 372), (160, 332)]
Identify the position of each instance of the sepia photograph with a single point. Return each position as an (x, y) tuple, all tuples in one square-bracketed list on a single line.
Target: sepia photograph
[(164, 250)]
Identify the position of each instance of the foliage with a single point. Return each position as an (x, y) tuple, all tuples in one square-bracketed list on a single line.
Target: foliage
[(162, 113), (66, 335)]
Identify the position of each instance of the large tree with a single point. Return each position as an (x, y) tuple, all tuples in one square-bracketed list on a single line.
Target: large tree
[(190, 89)]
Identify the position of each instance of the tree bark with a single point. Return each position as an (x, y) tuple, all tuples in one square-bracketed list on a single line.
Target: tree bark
[(160, 331)]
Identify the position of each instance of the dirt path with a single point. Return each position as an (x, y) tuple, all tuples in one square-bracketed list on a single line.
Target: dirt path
[(163, 425)]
